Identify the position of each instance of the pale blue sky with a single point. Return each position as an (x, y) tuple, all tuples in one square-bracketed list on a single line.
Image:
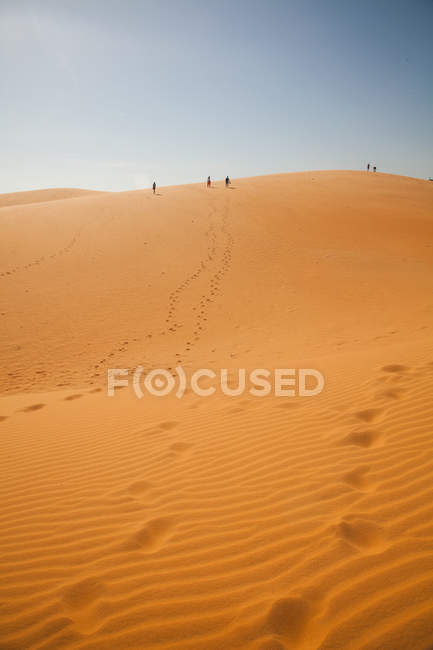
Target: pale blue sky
[(110, 94)]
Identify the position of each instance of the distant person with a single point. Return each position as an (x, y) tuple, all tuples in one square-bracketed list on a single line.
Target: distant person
[(227, 181), (208, 181), (154, 187), (374, 168), (368, 167)]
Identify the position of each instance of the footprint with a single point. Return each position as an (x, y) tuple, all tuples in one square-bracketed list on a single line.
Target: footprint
[(289, 617), (33, 407), (69, 398), (83, 593), (166, 426), (151, 536), (3, 418), (357, 478), (95, 390), (179, 448), (365, 439), (390, 393), (362, 533), (395, 367), (368, 415), (138, 487)]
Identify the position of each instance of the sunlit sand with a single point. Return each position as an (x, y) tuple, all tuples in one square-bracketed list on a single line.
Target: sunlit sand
[(220, 522)]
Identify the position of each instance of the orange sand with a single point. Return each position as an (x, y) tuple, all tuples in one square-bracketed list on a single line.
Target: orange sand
[(218, 523)]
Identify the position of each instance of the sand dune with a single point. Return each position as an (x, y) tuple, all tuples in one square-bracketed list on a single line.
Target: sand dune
[(205, 523), (41, 196)]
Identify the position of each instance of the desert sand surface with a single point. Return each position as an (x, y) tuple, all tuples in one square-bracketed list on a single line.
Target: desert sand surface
[(264, 523), (40, 196)]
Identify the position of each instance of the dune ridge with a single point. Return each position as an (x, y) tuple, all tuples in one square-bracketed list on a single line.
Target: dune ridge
[(42, 196), (204, 523)]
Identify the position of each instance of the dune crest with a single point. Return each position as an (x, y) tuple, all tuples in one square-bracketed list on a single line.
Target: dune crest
[(42, 196)]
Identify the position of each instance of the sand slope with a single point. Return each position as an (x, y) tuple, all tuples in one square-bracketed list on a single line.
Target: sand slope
[(41, 196), (247, 522)]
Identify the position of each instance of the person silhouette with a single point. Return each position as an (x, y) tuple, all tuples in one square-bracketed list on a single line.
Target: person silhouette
[(227, 181), (368, 167), (154, 187), (374, 168), (208, 181)]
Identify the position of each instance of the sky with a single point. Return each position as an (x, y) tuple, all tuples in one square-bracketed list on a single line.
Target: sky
[(113, 94)]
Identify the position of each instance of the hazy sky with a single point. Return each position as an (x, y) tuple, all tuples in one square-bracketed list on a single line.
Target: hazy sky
[(110, 94)]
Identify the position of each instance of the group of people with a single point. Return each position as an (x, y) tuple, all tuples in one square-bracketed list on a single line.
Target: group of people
[(368, 167), (208, 182)]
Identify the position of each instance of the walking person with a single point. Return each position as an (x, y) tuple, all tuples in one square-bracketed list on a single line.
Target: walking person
[(368, 167), (154, 187), (227, 181), (208, 181), (374, 168)]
